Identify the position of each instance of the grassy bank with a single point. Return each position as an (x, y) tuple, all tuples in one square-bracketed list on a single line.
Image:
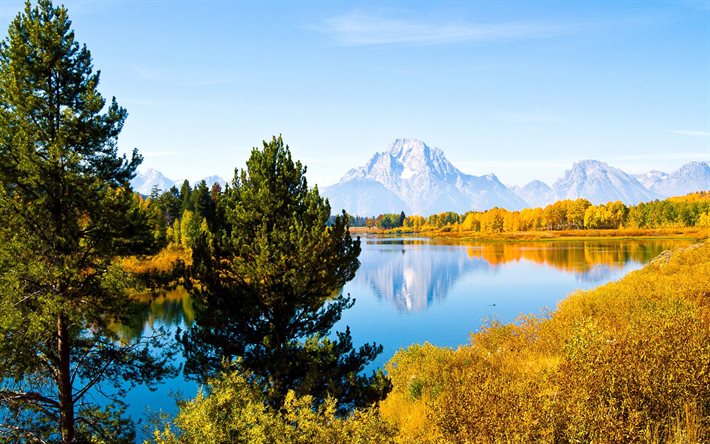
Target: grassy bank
[(626, 362)]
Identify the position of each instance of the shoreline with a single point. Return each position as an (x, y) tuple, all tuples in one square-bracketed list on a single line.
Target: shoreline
[(545, 236)]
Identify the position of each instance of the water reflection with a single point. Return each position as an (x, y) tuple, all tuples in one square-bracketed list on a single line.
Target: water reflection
[(413, 274), (414, 277), (415, 290), (172, 308)]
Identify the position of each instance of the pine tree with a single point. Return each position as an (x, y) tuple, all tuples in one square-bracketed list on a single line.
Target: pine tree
[(67, 213), (270, 289), (186, 195)]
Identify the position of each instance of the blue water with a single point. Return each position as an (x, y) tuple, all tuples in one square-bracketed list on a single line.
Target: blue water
[(411, 290)]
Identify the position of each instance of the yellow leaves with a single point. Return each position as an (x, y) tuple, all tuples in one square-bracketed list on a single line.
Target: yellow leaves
[(704, 220), (235, 412), (692, 197), (626, 362), (164, 261), (409, 417)]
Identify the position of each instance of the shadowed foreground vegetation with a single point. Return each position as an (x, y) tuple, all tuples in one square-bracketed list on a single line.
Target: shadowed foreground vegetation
[(626, 362)]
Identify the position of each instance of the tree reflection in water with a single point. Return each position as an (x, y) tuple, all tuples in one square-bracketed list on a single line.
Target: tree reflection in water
[(414, 273)]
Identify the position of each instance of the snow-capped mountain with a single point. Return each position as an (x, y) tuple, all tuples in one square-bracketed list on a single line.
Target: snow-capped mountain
[(410, 176), (211, 180), (600, 183), (422, 179), (364, 196), (693, 176), (145, 181), (536, 194), (651, 178)]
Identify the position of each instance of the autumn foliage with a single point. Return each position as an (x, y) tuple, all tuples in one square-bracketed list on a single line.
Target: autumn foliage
[(692, 210), (626, 362)]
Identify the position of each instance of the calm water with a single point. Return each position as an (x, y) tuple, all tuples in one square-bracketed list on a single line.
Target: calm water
[(412, 290)]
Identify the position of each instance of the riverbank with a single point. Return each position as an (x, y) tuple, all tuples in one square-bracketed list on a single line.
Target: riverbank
[(624, 362), (698, 234)]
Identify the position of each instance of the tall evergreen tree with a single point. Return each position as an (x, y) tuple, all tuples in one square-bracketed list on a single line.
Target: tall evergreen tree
[(270, 289), (67, 212), (186, 195)]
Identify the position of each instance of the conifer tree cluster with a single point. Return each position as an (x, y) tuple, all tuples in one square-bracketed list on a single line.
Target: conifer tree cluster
[(67, 212), (267, 267), (268, 288)]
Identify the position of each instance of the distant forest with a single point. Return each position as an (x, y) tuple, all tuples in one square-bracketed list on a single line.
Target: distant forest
[(692, 210)]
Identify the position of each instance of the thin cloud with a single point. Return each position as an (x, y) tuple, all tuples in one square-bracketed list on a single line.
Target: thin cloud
[(691, 133), (359, 29)]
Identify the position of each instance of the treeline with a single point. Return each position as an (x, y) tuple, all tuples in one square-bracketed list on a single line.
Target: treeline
[(180, 216), (692, 210)]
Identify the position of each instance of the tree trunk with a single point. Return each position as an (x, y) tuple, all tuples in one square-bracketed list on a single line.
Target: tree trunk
[(66, 399)]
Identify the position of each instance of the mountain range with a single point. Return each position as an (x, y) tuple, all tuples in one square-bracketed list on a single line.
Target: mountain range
[(412, 177)]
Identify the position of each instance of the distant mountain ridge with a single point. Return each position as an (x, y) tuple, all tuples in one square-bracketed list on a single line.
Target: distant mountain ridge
[(693, 176), (536, 193), (146, 179), (412, 177), (600, 183)]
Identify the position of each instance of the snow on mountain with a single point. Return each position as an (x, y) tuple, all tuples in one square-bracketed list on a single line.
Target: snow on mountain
[(211, 180), (600, 183), (363, 197), (536, 194), (145, 181), (423, 181), (410, 176), (693, 176), (651, 178)]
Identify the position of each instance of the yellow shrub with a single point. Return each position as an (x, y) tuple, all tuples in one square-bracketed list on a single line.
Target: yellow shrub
[(626, 362)]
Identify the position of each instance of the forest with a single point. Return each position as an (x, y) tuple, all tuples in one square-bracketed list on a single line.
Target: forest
[(692, 210), (265, 263)]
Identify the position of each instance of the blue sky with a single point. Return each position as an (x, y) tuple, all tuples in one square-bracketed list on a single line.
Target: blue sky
[(521, 89)]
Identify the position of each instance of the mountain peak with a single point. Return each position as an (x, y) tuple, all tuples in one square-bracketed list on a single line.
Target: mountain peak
[(600, 183), (422, 179), (148, 178), (691, 177), (402, 147), (590, 164), (694, 167)]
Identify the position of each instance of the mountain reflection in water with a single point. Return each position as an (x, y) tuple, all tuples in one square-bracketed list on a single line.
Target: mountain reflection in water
[(414, 290), (413, 273)]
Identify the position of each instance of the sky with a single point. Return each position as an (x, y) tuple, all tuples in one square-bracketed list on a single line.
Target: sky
[(520, 89)]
